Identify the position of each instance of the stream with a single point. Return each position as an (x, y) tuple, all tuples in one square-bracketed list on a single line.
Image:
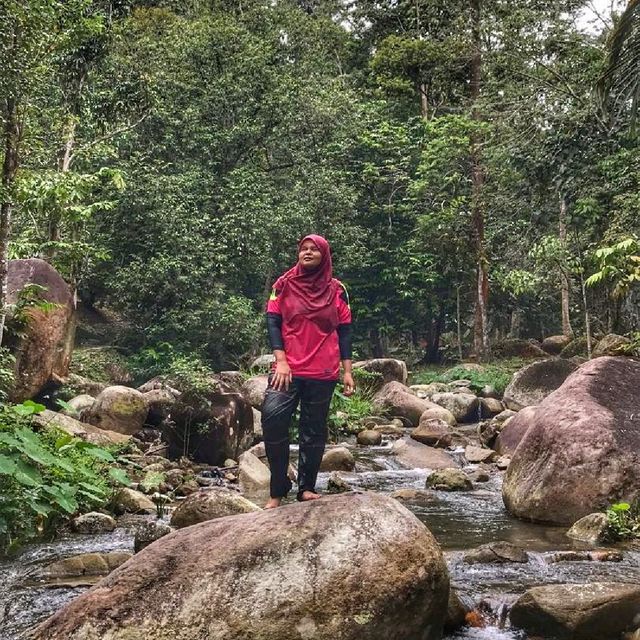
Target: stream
[(459, 520)]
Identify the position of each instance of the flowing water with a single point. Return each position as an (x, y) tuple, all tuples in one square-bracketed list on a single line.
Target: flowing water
[(459, 520)]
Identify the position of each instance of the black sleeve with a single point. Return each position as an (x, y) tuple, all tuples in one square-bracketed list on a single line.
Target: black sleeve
[(274, 331), (344, 340)]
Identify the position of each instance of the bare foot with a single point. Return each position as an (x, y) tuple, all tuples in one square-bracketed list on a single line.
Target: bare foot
[(305, 496), (273, 503)]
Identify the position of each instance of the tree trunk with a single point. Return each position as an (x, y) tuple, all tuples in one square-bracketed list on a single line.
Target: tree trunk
[(424, 101), (514, 328), (481, 332), (376, 343), (11, 135), (459, 322), (564, 276)]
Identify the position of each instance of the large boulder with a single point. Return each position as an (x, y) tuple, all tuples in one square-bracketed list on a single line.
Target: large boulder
[(118, 408), (517, 348), (595, 611), (346, 567), (396, 399), (254, 389), (82, 430), (514, 429), (581, 451), (43, 350), (208, 504), (531, 384), (432, 432), (415, 455), (210, 424), (554, 345), (463, 406), (390, 369), (611, 345)]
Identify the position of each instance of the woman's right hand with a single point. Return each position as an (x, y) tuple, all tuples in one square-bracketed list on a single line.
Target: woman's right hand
[(282, 377)]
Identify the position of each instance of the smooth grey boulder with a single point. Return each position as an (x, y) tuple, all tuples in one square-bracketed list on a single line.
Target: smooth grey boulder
[(396, 399), (208, 504), (463, 406), (592, 528)]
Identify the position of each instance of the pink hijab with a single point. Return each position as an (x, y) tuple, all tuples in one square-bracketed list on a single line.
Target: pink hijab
[(310, 293)]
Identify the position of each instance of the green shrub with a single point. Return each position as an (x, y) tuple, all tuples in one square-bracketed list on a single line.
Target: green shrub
[(624, 520), (100, 364), (47, 476)]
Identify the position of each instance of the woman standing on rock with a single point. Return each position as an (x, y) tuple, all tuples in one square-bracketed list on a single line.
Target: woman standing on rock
[(309, 325)]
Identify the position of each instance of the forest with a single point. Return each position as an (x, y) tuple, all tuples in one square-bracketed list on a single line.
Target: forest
[(475, 166)]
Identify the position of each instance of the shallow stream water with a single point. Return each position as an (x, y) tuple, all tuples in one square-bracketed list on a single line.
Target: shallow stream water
[(459, 520)]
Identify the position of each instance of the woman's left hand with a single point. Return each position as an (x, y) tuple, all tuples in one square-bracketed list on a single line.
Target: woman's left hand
[(349, 386)]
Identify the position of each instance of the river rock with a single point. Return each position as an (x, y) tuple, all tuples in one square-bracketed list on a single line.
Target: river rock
[(581, 451), (490, 407), (427, 390), (513, 431), (489, 391), (456, 612), (119, 409), (208, 504), (390, 369), (531, 384), (93, 522), (554, 345), (149, 532), (611, 345), (396, 399), (415, 455), (594, 611), (496, 552), (449, 480), (253, 475), (82, 430), (369, 437), (337, 484), (439, 413), (258, 435), (434, 433), (131, 501), (86, 564), (418, 497), (43, 352), (592, 528), (374, 571), (463, 406), (254, 389), (478, 454), (338, 459)]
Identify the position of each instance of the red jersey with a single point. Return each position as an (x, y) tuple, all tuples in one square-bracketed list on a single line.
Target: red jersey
[(312, 352)]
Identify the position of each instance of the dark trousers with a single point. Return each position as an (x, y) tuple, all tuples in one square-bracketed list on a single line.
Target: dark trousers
[(278, 408)]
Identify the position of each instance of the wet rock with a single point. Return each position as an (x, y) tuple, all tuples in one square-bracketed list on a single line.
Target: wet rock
[(85, 564), (580, 453), (208, 504), (503, 462), (611, 345), (389, 430), (513, 431), (478, 454), (369, 437), (479, 475), (434, 433), (463, 406), (337, 484), (149, 532), (381, 583), (449, 480), (596, 555), (253, 475), (390, 369), (338, 459), (496, 552), (439, 413), (554, 345), (396, 399), (418, 497), (533, 383), (415, 455), (93, 522), (456, 612), (601, 610), (490, 407), (592, 528), (132, 501), (119, 409), (254, 389)]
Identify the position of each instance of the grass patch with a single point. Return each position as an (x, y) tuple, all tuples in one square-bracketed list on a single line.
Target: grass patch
[(497, 374)]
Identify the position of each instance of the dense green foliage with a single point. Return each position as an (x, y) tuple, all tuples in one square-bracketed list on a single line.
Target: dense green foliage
[(47, 476), (171, 154), (623, 521)]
